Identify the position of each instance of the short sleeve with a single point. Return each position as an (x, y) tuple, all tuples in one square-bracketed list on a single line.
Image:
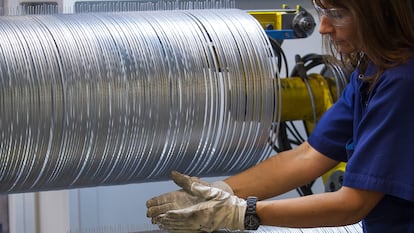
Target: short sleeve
[(334, 128)]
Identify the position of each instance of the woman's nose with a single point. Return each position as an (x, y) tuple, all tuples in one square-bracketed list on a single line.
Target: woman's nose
[(325, 26)]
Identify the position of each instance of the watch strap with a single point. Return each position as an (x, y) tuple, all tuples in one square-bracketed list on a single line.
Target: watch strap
[(251, 205), (252, 221)]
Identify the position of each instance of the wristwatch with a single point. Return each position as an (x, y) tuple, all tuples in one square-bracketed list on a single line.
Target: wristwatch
[(251, 220)]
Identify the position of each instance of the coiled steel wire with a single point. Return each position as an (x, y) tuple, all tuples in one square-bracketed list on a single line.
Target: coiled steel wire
[(116, 98)]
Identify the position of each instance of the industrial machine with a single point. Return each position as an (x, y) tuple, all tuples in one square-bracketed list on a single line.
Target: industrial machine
[(304, 97), (115, 98)]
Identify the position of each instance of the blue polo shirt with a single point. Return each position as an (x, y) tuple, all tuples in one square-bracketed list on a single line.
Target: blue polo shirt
[(373, 131)]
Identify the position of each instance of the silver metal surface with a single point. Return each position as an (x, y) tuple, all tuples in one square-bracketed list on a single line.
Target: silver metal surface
[(115, 98)]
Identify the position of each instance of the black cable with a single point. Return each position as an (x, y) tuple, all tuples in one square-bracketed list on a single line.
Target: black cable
[(302, 73), (281, 55), (298, 139), (302, 66), (279, 145)]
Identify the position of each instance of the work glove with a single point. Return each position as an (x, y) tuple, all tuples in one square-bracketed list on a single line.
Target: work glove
[(219, 209), (179, 199)]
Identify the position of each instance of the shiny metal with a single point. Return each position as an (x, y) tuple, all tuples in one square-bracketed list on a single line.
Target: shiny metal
[(115, 98)]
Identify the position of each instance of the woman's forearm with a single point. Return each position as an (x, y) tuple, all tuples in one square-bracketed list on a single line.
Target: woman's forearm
[(281, 173), (346, 206)]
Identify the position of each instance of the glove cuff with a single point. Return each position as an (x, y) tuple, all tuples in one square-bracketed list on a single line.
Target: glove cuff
[(223, 186), (241, 217)]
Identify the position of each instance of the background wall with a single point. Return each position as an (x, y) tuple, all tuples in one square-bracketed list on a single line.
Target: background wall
[(119, 208)]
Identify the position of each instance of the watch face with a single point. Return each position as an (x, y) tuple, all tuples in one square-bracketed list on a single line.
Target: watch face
[(251, 222)]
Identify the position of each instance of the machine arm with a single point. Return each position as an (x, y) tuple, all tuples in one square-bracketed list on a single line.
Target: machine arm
[(286, 23)]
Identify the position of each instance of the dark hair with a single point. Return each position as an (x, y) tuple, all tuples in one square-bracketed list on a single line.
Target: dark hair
[(384, 29)]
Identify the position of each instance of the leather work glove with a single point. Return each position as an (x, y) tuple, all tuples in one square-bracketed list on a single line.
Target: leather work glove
[(219, 210), (179, 199)]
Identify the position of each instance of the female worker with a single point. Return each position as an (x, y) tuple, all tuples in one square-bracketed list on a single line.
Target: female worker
[(370, 127)]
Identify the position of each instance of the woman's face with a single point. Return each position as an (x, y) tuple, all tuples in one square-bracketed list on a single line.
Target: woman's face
[(338, 24)]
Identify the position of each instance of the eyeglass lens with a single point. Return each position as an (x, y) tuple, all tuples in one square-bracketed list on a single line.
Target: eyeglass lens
[(337, 16)]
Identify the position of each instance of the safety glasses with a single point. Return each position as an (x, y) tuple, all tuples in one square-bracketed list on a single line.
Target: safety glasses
[(336, 16)]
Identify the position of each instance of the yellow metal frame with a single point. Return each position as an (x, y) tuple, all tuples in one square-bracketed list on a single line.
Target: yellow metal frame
[(273, 17)]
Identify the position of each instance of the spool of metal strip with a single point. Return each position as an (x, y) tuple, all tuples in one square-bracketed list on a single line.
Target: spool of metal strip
[(116, 98)]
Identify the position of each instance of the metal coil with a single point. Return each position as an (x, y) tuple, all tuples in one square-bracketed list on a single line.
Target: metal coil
[(116, 98)]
